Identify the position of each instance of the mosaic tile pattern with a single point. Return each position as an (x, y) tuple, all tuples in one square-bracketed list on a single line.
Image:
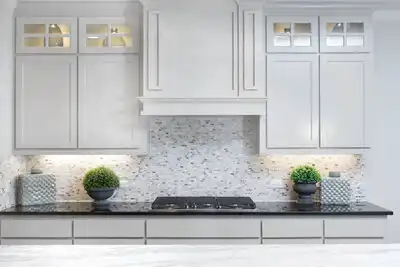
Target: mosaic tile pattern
[(9, 171), (197, 156)]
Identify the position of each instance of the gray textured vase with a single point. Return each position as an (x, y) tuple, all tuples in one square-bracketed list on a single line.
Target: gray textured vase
[(305, 192), (101, 194)]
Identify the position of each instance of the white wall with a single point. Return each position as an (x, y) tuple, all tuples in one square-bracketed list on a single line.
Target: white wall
[(6, 77), (383, 163)]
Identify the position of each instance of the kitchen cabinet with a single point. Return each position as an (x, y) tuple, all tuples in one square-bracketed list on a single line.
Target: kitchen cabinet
[(35, 242), (109, 35), (292, 34), (108, 109), (345, 82), (345, 34), (203, 228), (46, 102), (46, 35), (203, 242), (292, 108), (192, 53), (190, 230), (251, 50)]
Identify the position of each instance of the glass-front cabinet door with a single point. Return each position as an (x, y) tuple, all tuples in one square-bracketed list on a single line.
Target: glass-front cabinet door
[(46, 35), (108, 35), (345, 34), (292, 34)]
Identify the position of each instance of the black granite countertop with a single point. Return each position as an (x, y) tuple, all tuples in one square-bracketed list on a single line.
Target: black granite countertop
[(263, 209)]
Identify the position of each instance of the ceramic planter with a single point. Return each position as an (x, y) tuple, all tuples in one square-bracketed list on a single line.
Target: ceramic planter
[(305, 192), (101, 194)]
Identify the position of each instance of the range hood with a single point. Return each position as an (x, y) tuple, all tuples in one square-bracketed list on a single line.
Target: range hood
[(203, 58), (202, 106)]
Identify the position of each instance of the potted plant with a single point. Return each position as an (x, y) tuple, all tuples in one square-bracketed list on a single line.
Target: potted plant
[(100, 183), (305, 180)]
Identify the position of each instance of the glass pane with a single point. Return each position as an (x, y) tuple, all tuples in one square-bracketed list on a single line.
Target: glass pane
[(34, 41), (59, 29), (334, 41), (35, 28), (282, 28), (59, 42), (97, 29), (335, 27), (302, 27), (121, 41), (355, 27), (125, 29), (282, 41), (301, 41), (355, 41), (97, 42)]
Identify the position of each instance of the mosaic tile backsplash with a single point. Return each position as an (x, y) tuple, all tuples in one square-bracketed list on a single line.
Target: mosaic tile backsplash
[(9, 170), (193, 156)]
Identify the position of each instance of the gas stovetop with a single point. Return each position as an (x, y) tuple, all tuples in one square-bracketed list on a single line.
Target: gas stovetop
[(164, 203)]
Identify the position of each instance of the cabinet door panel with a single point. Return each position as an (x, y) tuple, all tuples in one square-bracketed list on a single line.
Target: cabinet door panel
[(33, 242), (292, 241), (292, 108), (189, 56), (108, 109), (355, 241), (36, 228), (344, 90), (46, 102), (203, 242), (109, 228), (109, 241), (355, 228)]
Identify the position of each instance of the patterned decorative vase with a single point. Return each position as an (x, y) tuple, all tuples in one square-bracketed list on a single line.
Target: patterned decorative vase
[(34, 189), (335, 190)]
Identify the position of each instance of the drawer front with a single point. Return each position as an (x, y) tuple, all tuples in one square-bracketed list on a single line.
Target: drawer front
[(355, 228), (355, 241), (16, 242), (292, 241), (203, 242), (112, 228), (203, 228), (36, 228), (281, 228), (109, 241)]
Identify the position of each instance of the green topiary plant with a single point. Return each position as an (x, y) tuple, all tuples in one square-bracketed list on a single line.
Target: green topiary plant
[(100, 177), (305, 175)]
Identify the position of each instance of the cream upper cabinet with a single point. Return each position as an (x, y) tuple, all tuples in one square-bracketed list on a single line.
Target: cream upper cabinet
[(190, 49), (345, 82), (109, 35), (46, 102), (292, 107), (46, 35), (292, 34), (108, 109), (345, 34)]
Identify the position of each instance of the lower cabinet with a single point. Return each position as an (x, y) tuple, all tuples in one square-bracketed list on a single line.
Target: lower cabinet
[(110, 241), (16, 242), (203, 241), (355, 241), (292, 241), (191, 230)]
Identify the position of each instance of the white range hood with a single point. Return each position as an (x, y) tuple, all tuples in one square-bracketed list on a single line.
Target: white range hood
[(203, 58)]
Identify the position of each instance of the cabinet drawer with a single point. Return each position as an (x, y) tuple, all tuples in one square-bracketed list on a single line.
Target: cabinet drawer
[(355, 227), (203, 242), (355, 241), (113, 228), (203, 228), (293, 241), (17, 242), (281, 228), (36, 228), (109, 241)]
